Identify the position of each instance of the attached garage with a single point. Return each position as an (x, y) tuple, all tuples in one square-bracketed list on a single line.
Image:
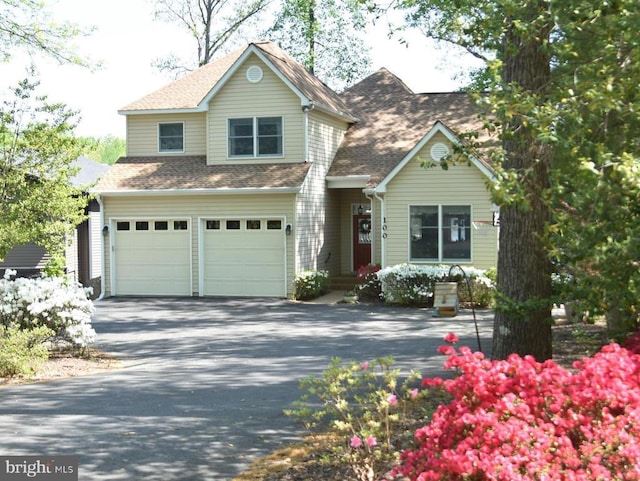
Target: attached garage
[(243, 257), (151, 257)]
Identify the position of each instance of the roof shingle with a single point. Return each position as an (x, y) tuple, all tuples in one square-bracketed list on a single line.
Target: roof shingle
[(393, 120), (192, 172), (189, 91)]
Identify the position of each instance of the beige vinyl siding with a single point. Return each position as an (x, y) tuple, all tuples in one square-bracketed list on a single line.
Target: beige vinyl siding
[(317, 235), (461, 184), (95, 245), (71, 255), (193, 207), (239, 98), (330, 254), (325, 136), (142, 133)]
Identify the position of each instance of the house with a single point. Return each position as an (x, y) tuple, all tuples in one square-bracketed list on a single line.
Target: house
[(249, 170), (83, 252)]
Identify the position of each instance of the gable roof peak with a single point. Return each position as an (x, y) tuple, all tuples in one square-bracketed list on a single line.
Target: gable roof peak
[(192, 92), (382, 79)]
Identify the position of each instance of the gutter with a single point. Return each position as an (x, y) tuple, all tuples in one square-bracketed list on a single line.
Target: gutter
[(223, 191)]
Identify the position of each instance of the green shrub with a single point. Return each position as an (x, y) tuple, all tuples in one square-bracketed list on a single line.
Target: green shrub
[(482, 292), (310, 284), (361, 402), (22, 350)]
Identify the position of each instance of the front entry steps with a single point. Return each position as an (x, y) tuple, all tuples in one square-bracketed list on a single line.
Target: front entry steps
[(342, 282)]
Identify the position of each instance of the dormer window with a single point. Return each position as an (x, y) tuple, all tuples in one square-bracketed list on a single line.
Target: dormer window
[(171, 137), (255, 137)]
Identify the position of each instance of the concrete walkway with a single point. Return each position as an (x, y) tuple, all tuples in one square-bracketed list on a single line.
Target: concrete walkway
[(205, 380)]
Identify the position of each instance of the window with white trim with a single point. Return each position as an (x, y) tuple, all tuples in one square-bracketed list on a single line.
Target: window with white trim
[(171, 137), (255, 137), (440, 233)]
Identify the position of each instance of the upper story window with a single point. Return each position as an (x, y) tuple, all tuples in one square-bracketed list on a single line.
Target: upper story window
[(440, 232), (255, 137), (171, 137)]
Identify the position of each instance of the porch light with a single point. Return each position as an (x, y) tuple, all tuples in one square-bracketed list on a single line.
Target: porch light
[(360, 210)]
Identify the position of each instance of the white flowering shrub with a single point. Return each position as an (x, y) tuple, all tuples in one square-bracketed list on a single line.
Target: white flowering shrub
[(54, 302), (310, 284), (413, 285)]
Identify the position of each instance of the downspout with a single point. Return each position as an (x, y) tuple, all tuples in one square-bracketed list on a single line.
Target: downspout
[(305, 110), (383, 234), (373, 237), (103, 269)]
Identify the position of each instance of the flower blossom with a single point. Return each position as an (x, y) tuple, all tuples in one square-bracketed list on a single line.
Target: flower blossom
[(355, 442), (451, 338)]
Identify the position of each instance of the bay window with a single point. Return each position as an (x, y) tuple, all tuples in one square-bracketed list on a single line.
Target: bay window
[(439, 233)]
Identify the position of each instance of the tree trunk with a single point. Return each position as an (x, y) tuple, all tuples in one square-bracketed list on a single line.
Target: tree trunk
[(522, 322), (312, 38)]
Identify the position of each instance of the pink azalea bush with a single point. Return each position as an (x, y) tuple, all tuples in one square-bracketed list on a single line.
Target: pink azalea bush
[(519, 419)]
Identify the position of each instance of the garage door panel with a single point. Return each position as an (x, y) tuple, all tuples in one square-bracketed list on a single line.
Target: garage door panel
[(148, 257), (152, 287), (244, 262), (152, 262), (246, 287)]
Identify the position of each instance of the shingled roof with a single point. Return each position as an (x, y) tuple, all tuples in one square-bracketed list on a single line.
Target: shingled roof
[(191, 172), (392, 121), (187, 92), (191, 91)]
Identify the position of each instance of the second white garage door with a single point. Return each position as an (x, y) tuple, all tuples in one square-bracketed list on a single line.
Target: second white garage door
[(243, 257)]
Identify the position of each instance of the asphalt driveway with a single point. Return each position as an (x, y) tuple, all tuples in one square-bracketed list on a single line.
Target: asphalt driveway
[(204, 382)]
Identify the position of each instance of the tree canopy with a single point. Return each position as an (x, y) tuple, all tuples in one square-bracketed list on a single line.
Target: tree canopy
[(213, 25), (105, 149), (38, 203), (27, 24), (326, 36), (561, 79)]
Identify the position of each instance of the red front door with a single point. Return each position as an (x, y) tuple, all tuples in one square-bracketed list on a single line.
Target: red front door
[(361, 240)]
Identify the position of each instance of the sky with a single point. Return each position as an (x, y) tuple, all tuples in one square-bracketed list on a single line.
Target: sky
[(127, 39)]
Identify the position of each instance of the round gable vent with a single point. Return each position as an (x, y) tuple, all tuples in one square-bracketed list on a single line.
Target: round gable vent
[(254, 74), (439, 150)]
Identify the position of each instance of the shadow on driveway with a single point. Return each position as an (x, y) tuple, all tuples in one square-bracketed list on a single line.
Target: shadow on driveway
[(205, 380)]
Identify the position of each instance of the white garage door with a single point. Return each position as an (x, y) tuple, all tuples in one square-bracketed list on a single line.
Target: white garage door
[(152, 257), (244, 257)]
